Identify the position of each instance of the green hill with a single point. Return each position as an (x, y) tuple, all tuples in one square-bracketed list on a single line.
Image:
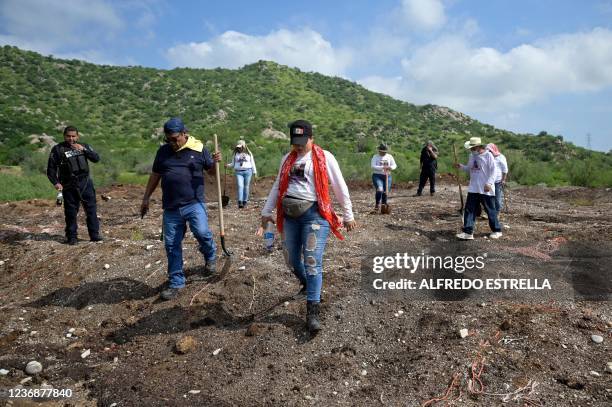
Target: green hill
[(120, 112)]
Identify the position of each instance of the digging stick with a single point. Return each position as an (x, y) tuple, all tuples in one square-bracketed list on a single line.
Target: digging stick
[(458, 179)]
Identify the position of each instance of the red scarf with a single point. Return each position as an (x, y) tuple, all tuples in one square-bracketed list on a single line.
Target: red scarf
[(321, 187)]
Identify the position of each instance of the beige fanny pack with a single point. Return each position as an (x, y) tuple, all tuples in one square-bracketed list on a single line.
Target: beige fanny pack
[(294, 207)]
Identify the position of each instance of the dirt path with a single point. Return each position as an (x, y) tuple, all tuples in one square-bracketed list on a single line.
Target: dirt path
[(375, 349)]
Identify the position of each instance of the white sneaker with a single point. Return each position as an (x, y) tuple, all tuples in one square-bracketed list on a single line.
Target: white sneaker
[(465, 236), (495, 235)]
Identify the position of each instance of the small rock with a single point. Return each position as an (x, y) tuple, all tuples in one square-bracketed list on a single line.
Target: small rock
[(400, 312), (158, 262), (149, 247), (185, 344), (564, 346), (253, 330), (463, 333), (69, 335), (86, 353), (24, 381), (216, 352), (594, 373), (80, 332), (241, 268), (194, 391), (597, 338), (148, 266), (33, 333), (33, 368), (417, 233), (505, 325), (113, 405), (3, 372), (609, 367), (364, 372), (1, 262), (106, 266), (286, 303), (71, 330)]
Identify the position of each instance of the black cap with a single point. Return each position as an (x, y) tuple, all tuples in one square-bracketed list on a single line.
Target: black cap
[(383, 147), (300, 131)]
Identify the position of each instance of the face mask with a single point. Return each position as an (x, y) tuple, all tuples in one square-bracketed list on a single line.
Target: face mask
[(475, 153)]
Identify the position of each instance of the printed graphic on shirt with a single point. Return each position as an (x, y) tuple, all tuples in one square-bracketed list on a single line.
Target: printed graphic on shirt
[(72, 153), (297, 173), (241, 159), (475, 166)]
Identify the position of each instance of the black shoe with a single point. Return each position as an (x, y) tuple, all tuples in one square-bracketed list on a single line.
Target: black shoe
[(169, 293), (96, 238), (312, 317), (244, 204), (240, 205), (210, 267), (418, 194), (432, 193), (72, 241)]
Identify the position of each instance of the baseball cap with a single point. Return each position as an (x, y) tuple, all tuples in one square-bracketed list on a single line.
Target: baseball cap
[(300, 131), (174, 125)]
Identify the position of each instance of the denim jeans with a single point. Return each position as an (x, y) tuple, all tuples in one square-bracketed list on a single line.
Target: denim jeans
[(243, 179), (499, 197), (379, 183), (174, 230), (471, 207), (304, 241)]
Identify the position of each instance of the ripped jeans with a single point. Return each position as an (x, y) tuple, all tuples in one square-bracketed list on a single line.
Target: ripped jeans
[(304, 242)]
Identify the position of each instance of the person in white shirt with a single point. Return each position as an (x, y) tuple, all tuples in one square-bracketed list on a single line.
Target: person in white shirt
[(382, 164), (482, 170), (304, 214), (244, 167), (501, 175)]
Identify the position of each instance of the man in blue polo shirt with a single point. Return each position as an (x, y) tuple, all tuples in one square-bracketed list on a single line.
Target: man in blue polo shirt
[(180, 165)]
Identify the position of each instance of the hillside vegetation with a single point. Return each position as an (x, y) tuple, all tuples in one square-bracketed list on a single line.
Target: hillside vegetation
[(120, 112)]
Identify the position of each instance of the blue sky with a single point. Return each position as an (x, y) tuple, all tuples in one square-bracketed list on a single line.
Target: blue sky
[(521, 65)]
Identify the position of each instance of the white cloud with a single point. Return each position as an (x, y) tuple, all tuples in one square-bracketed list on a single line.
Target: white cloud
[(424, 14), (305, 49), (453, 73)]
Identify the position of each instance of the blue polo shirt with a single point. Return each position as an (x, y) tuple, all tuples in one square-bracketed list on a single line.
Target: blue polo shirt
[(182, 177)]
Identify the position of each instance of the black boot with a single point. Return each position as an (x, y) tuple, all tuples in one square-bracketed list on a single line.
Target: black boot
[(312, 317)]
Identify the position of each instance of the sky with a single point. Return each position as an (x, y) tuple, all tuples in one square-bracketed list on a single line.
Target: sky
[(521, 65)]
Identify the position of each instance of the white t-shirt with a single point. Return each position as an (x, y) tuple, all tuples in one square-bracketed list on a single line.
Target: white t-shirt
[(501, 167), (243, 161), (379, 162), (301, 184), (482, 171)]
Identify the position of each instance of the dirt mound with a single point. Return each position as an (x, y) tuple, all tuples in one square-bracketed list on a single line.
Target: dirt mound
[(251, 346)]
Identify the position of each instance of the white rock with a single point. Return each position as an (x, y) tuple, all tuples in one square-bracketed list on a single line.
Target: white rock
[(3, 372), (594, 373), (89, 308), (68, 335), (24, 381), (33, 367), (609, 367), (286, 303), (364, 372), (33, 333), (86, 353), (113, 405), (106, 266), (597, 338), (148, 266), (158, 262), (71, 330), (463, 332), (400, 312), (194, 391), (396, 315), (242, 268), (149, 247), (1, 262), (216, 352)]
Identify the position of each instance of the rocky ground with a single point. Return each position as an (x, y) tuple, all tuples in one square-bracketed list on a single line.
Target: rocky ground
[(90, 314)]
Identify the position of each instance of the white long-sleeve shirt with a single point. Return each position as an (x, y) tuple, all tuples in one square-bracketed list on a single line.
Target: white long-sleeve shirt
[(243, 161), (501, 167), (482, 171), (301, 184), (380, 162)]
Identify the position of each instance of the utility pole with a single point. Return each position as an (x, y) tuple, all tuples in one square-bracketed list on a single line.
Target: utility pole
[(588, 136)]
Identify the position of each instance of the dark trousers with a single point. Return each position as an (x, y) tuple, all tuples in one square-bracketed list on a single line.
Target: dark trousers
[(472, 205), (427, 174), (81, 191)]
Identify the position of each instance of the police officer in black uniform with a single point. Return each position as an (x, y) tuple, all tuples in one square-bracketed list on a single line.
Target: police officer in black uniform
[(68, 171)]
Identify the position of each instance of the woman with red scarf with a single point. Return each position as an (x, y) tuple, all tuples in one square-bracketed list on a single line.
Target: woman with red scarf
[(304, 213)]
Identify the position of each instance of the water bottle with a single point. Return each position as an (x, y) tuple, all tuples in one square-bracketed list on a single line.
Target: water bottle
[(59, 200), (269, 236)]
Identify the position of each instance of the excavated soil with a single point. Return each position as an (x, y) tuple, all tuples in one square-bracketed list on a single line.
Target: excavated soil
[(249, 345)]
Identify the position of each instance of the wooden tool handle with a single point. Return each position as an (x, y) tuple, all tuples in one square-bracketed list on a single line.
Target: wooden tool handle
[(218, 177)]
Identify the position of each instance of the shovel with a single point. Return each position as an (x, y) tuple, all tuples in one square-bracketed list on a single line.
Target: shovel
[(458, 180), (224, 198), (219, 198), (385, 209)]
